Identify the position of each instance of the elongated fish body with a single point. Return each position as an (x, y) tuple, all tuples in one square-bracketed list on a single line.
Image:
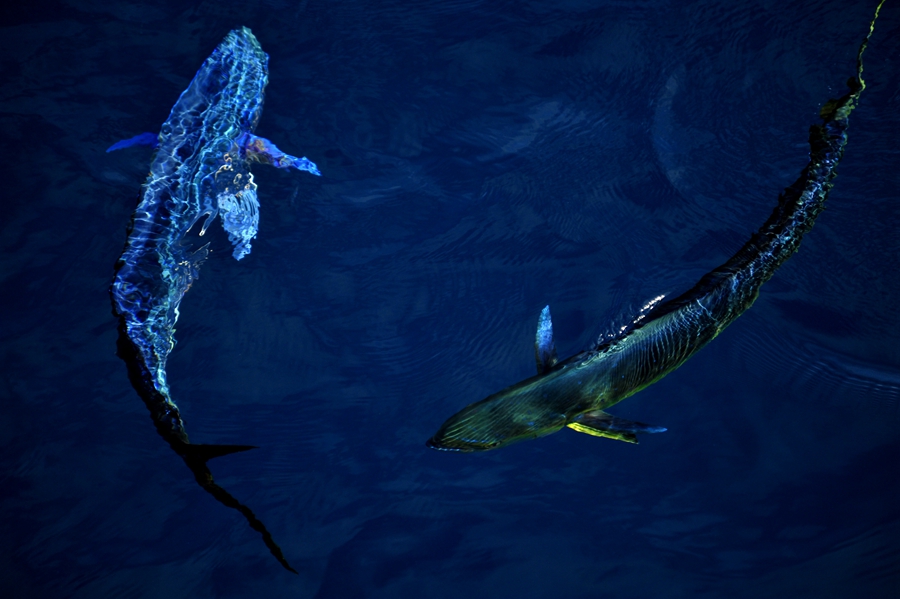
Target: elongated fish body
[(574, 393), (201, 169)]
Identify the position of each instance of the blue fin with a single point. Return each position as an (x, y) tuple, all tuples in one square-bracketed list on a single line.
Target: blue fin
[(144, 139), (600, 424), (260, 149), (544, 347)]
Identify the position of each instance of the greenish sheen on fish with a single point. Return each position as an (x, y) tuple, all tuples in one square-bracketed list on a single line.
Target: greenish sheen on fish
[(576, 392)]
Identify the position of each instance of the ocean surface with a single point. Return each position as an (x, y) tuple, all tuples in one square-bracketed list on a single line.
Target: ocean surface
[(480, 160)]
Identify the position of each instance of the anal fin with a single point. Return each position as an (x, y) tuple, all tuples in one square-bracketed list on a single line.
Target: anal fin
[(600, 424)]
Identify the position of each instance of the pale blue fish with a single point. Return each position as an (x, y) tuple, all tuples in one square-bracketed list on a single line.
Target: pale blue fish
[(201, 168)]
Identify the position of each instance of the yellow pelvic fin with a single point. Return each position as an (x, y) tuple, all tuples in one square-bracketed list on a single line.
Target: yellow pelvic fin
[(628, 437)]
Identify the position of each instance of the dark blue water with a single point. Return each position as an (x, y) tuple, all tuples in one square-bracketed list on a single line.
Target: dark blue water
[(479, 160)]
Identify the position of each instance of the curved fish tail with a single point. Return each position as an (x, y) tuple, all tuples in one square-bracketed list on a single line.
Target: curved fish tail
[(167, 419), (840, 109), (739, 279)]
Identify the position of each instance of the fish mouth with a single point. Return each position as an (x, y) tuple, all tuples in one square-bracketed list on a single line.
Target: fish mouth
[(434, 444)]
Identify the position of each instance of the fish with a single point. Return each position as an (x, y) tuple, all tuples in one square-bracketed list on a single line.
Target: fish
[(200, 169), (575, 393)]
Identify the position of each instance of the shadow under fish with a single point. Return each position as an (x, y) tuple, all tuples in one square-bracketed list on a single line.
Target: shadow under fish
[(201, 169), (575, 392)]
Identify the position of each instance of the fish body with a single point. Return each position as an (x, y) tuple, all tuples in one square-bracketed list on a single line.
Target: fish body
[(200, 169), (575, 392)]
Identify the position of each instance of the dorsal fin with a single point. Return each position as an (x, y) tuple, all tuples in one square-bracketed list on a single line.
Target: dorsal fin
[(544, 347)]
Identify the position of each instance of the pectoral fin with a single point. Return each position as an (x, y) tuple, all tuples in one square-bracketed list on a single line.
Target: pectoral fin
[(544, 346), (144, 139), (601, 424), (260, 149)]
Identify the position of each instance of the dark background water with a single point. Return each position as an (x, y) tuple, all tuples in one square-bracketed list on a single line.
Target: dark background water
[(479, 160)]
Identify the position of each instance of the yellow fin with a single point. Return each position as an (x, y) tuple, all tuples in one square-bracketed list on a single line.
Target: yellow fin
[(628, 437)]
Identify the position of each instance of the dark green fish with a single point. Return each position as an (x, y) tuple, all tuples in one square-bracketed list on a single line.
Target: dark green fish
[(575, 392)]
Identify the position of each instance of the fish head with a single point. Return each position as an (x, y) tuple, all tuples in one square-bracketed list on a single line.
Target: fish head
[(515, 414)]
